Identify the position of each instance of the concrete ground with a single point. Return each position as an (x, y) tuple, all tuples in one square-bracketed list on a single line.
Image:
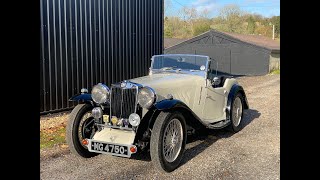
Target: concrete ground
[(252, 153)]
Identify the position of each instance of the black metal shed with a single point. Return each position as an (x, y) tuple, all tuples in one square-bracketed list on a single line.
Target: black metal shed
[(84, 42), (235, 56)]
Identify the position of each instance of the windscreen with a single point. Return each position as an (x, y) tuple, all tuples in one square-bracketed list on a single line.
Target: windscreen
[(184, 62)]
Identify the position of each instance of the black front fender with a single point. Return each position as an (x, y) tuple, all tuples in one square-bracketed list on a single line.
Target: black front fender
[(176, 105), (166, 105), (82, 98)]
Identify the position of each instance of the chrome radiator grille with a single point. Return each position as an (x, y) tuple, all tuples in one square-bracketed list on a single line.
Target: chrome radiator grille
[(123, 101)]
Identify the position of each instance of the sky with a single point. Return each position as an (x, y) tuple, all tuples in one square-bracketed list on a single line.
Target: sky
[(266, 8)]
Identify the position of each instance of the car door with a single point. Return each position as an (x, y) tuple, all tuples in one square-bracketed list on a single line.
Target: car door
[(215, 98), (214, 105)]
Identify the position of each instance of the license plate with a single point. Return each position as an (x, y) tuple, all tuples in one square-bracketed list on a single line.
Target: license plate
[(108, 148)]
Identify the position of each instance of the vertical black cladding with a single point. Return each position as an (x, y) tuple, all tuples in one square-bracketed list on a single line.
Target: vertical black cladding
[(83, 42)]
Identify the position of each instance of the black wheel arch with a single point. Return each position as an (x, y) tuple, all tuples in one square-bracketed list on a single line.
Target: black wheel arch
[(233, 92), (167, 105), (83, 97), (86, 98)]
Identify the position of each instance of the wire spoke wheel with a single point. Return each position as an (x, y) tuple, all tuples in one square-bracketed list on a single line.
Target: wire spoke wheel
[(86, 128), (237, 111), (80, 126), (172, 140), (168, 140)]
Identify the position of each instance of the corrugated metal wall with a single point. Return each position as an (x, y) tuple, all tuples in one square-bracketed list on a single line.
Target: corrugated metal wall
[(84, 42)]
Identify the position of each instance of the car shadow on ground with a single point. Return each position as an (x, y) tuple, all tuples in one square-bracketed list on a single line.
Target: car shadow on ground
[(199, 141), (209, 136)]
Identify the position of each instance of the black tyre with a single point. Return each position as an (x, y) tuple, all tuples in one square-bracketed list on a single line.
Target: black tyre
[(168, 141), (236, 113), (79, 127)]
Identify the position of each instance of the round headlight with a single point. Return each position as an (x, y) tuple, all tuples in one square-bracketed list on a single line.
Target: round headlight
[(100, 93), (97, 113), (134, 119), (146, 97)]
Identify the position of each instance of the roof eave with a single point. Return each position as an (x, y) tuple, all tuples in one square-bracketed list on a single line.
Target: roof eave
[(277, 51)]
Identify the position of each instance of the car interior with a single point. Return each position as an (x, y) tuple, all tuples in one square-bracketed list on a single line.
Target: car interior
[(222, 78), (213, 73)]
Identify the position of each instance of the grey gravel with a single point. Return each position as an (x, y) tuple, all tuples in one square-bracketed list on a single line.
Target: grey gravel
[(252, 153)]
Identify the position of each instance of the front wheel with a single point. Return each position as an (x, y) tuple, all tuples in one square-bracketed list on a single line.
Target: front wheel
[(80, 126), (168, 140)]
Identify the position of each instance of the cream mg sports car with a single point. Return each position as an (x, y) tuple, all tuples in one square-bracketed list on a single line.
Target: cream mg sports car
[(182, 93)]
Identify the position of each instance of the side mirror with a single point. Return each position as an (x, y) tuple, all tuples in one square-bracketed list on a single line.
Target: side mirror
[(216, 81)]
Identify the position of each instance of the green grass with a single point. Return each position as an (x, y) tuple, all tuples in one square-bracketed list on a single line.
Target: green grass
[(277, 71), (50, 137)]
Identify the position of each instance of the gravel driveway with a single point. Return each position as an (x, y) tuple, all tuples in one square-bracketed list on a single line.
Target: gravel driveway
[(252, 153)]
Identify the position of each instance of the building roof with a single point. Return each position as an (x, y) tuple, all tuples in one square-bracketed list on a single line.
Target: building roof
[(252, 40), (168, 42), (257, 40)]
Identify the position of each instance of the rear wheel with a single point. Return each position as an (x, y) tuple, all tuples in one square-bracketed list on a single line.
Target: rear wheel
[(80, 126), (236, 113), (168, 140)]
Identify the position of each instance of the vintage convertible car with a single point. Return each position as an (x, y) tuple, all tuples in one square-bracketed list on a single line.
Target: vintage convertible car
[(181, 94)]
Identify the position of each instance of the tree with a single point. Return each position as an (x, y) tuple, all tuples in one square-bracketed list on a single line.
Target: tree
[(175, 27), (264, 30), (200, 27), (189, 16), (230, 11), (251, 25), (257, 17), (275, 20), (168, 32), (204, 13), (231, 19), (230, 16), (168, 29)]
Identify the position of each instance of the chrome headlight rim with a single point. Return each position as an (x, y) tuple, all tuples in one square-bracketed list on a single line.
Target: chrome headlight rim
[(97, 112), (100, 93), (134, 119), (152, 99)]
